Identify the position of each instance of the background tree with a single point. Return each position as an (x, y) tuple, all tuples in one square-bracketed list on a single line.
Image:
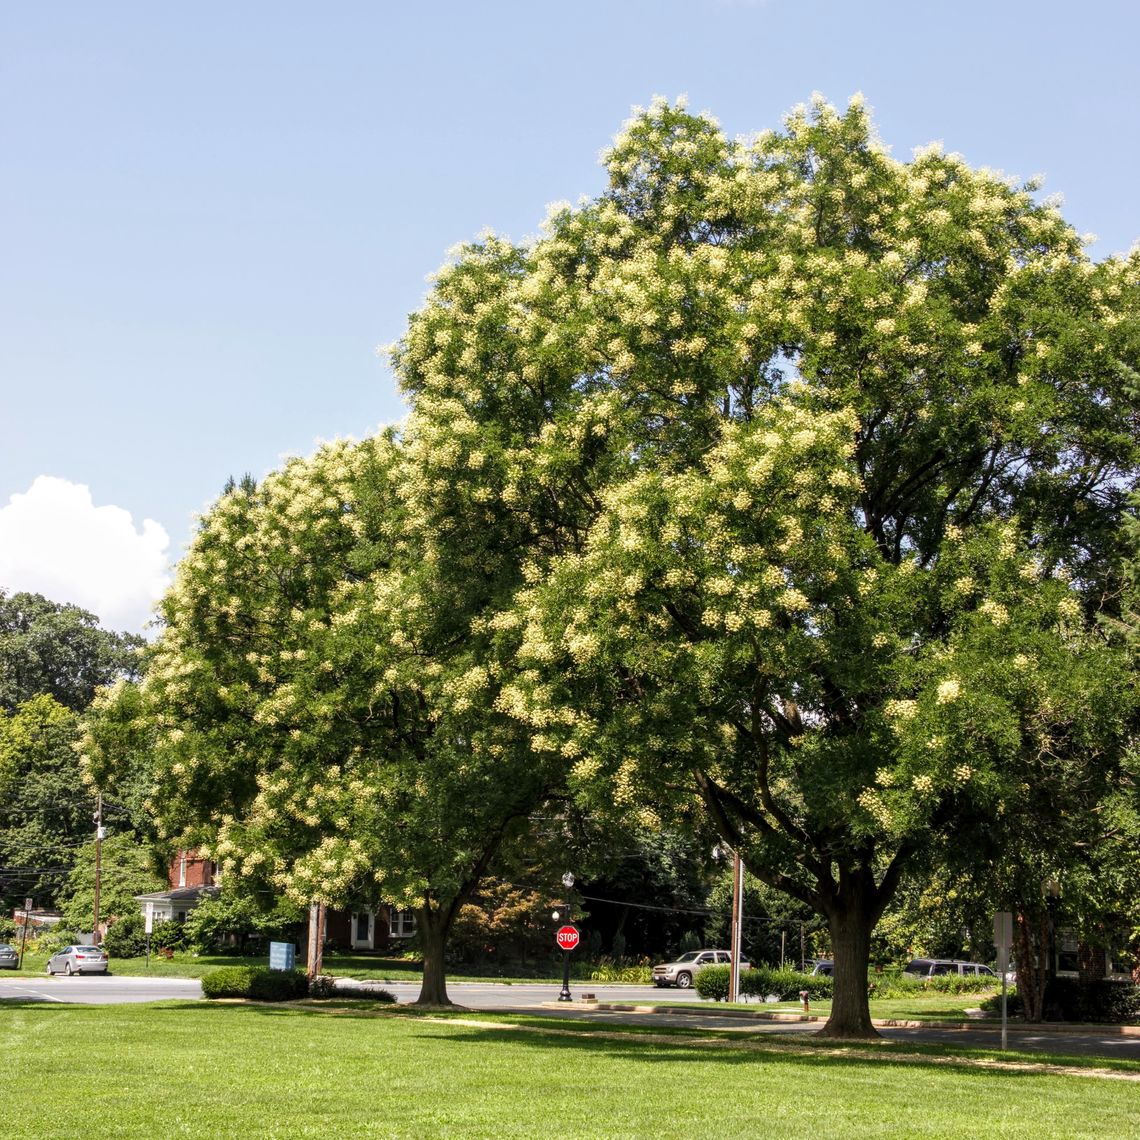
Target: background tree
[(126, 869), (47, 813), (808, 447), (58, 649)]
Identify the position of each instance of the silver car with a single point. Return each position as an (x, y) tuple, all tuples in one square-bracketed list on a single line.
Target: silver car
[(9, 959), (681, 972), (78, 960)]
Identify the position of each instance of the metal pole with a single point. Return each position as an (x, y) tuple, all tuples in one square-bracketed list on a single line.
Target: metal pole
[(98, 863), (24, 936), (564, 993)]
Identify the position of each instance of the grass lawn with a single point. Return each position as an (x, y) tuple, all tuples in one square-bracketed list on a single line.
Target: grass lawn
[(222, 1070)]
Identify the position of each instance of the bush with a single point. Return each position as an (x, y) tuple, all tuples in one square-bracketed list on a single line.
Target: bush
[(324, 986), (258, 983), (1070, 999), (787, 985), (608, 970), (229, 981), (712, 983), (52, 941), (126, 938)]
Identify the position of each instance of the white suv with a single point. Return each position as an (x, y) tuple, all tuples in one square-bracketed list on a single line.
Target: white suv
[(681, 972)]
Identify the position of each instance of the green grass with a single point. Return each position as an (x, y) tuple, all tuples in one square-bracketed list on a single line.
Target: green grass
[(196, 1070)]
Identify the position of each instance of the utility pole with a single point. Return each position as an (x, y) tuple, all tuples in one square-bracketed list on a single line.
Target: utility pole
[(737, 923), (316, 939), (100, 832)]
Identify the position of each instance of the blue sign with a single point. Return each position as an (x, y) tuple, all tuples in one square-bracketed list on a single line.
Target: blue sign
[(282, 955)]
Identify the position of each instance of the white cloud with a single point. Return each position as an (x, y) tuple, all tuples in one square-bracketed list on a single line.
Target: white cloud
[(54, 541)]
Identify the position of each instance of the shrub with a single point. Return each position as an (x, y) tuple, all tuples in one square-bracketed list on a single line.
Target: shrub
[(256, 982), (229, 981), (787, 985), (277, 985), (992, 1004), (608, 970), (126, 938), (960, 984), (324, 987), (1105, 1000), (54, 940), (712, 983)]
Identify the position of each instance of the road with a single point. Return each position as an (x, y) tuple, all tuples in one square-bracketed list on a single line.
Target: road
[(95, 989), (542, 998)]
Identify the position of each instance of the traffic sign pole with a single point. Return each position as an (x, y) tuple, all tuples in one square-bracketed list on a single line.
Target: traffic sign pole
[(567, 938)]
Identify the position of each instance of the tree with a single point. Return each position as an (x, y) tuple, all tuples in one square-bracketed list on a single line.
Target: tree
[(324, 700), (818, 458), (59, 649), (48, 811), (125, 870)]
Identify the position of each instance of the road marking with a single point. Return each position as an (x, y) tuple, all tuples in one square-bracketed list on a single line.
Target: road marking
[(22, 991)]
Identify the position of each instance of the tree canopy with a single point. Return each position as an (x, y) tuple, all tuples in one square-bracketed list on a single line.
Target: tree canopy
[(819, 459), (323, 700), (59, 649)]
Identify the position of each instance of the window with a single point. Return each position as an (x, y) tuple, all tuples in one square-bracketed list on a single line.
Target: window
[(402, 923)]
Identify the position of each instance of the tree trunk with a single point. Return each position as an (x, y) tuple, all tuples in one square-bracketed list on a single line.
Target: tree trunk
[(434, 927), (1032, 964), (851, 928)]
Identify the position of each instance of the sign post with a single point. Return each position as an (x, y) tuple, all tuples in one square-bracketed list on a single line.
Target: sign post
[(1003, 938), (24, 936), (567, 939), (148, 926)]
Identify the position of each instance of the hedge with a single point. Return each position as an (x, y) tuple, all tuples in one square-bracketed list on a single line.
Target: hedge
[(1105, 1001), (762, 982), (256, 982)]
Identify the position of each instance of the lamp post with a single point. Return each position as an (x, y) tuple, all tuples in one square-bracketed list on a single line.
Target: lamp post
[(1052, 899), (564, 993)]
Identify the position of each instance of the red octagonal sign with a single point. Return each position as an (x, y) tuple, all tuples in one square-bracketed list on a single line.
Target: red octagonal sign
[(567, 937)]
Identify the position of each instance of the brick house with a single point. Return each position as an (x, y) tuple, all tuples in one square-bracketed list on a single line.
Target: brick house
[(193, 878)]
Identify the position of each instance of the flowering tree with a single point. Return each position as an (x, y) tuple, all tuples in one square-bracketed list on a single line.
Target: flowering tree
[(818, 458), (324, 718)]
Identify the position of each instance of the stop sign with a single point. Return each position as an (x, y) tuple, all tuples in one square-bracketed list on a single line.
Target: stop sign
[(567, 937)]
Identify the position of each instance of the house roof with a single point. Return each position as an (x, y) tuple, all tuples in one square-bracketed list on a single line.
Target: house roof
[(182, 894)]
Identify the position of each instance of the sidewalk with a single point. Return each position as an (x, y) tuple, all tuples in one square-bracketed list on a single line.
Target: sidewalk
[(716, 1009)]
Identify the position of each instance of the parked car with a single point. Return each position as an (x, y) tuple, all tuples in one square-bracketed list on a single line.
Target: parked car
[(823, 966), (939, 967), (78, 960), (681, 972), (9, 959)]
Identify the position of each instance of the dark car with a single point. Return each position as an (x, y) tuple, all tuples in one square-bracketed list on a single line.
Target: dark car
[(9, 959), (825, 967), (78, 960)]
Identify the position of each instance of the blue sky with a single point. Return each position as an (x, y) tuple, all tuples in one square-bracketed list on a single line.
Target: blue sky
[(212, 214)]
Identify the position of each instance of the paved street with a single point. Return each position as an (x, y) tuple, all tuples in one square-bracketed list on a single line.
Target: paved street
[(96, 989), (542, 998)]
